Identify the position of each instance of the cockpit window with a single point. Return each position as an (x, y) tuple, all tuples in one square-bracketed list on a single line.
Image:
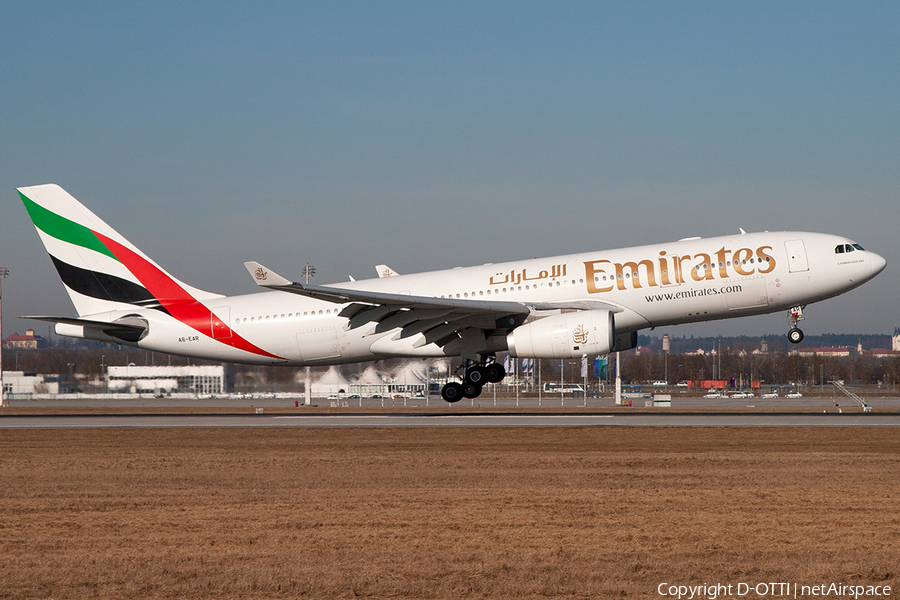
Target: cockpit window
[(841, 248)]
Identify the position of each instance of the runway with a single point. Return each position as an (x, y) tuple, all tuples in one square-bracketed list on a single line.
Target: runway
[(463, 420)]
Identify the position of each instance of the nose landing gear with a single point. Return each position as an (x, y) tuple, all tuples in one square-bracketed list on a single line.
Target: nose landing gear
[(795, 315), (475, 375)]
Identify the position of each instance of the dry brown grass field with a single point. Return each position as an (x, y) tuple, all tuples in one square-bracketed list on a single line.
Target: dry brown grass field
[(434, 513)]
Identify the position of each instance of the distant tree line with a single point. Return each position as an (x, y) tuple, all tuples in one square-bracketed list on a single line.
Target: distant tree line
[(775, 343), (769, 369)]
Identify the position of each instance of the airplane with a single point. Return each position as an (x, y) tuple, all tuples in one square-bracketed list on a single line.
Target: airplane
[(570, 306)]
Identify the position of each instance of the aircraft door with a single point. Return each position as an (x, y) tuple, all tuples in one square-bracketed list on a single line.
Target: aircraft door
[(219, 319), (796, 253), (752, 294), (318, 344)]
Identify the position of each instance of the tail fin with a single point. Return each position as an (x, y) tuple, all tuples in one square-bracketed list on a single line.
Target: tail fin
[(102, 271)]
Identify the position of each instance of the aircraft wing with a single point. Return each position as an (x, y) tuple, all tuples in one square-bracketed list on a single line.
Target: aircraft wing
[(441, 320), (267, 278)]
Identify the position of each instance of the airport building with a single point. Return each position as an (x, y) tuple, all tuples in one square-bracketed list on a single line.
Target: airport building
[(29, 341), (332, 383), (410, 380), (167, 380), (19, 384)]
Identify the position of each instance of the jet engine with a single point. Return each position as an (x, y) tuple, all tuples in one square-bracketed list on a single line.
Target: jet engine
[(568, 335), (625, 341)]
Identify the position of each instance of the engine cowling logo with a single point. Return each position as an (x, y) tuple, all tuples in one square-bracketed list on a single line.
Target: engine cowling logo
[(579, 335)]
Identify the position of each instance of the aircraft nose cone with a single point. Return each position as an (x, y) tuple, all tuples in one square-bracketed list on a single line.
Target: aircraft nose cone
[(878, 263)]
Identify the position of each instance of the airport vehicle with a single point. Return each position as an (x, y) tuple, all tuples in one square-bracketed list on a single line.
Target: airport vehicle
[(554, 387), (570, 306)]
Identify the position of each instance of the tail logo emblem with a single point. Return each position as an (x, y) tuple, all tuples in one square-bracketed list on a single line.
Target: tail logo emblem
[(261, 274)]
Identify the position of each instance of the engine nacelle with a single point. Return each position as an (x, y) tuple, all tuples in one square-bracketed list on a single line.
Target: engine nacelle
[(569, 335), (625, 341)]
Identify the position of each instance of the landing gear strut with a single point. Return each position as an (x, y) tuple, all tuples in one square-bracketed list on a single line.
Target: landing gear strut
[(474, 376), (795, 315)]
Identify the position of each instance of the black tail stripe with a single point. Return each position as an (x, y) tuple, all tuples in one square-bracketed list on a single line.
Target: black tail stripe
[(103, 286)]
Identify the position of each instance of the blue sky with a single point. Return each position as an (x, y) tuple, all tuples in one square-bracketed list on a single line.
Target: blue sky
[(432, 135)]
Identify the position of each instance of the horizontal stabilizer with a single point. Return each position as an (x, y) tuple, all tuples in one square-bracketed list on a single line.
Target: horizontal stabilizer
[(127, 329)]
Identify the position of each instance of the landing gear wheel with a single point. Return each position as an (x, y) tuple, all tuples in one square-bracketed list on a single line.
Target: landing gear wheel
[(471, 390), (476, 375), (495, 372), (452, 392), (795, 315)]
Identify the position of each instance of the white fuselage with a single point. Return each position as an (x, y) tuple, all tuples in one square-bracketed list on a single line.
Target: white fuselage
[(647, 286)]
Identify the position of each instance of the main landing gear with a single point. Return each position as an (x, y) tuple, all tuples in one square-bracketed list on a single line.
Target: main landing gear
[(475, 375), (795, 315)]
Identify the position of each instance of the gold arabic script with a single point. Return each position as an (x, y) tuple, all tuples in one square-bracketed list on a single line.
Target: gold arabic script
[(515, 277)]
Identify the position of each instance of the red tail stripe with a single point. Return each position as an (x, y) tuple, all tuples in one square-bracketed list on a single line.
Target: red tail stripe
[(176, 300)]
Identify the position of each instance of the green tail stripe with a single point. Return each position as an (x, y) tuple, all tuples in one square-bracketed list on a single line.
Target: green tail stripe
[(63, 229)]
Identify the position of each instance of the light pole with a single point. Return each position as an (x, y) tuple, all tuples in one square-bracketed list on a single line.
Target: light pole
[(4, 273), (308, 272)]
